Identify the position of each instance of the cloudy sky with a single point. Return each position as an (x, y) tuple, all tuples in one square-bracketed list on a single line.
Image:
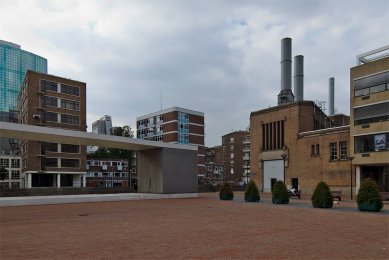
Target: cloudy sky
[(218, 57)]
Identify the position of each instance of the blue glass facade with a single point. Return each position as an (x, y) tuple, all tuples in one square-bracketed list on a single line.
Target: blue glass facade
[(183, 128), (14, 62)]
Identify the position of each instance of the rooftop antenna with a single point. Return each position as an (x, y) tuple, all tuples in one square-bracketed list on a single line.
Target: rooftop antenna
[(161, 100)]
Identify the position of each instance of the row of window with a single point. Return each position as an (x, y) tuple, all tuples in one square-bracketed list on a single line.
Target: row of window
[(14, 174), (106, 174), (371, 90), (65, 162), (63, 148), (108, 163), (14, 185), (65, 118), (216, 168), (65, 89), (66, 104), (273, 135), (4, 162)]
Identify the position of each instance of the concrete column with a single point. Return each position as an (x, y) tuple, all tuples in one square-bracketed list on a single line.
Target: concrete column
[(167, 170), (83, 181), (357, 179), (29, 180), (58, 180)]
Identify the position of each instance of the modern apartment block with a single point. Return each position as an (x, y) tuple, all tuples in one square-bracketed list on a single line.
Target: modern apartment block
[(103, 125), (14, 63), (246, 158), (54, 102), (12, 164), (235, 157), (107, 173), (175, 125), (214, 168), (369, 106)]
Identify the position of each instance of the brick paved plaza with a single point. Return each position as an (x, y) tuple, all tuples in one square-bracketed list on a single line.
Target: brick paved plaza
[(197, 228)]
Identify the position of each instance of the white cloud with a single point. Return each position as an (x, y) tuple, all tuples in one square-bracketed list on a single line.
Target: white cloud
[(218, 57)]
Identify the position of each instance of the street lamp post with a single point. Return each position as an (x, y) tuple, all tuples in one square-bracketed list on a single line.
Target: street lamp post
[(284, 156), (351, 176)]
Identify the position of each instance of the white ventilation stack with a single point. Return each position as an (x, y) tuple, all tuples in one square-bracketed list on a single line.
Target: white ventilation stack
[(299, 77), (331, 101)]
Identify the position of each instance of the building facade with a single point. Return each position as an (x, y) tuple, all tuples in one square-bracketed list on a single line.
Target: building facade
[(175, 125), (214, 168), (14, 63), (107, 173), (293, 143), (236, 154), (369, 106), (103, 125), (12, 164), (51, 101)]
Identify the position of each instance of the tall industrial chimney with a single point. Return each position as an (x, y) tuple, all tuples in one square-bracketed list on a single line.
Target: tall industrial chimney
[(299, 77), (331, 88), (286, 94)]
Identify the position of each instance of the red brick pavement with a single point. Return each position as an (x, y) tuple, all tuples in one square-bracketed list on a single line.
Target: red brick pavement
[(200, 228)]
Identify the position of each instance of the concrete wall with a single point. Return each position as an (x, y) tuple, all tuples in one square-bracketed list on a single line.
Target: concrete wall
[(167, 170)]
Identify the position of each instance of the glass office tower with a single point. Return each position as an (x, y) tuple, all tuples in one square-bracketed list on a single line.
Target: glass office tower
[(14, 62)]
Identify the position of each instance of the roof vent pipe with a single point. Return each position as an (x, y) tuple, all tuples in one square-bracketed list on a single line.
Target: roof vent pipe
[(331, 88), (286, 64), (299, 77)]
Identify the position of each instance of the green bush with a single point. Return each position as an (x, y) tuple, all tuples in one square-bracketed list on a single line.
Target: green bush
[(321, 197), (280, 193), (226, 192), (368, 197), (251, 193)]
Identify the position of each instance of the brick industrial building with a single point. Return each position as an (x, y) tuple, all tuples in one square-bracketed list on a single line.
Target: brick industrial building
[(51, 101), (175, 125)]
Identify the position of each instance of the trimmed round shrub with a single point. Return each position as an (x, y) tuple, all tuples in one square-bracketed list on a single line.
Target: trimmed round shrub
[(368, 197), (226, 192), (251, 193), (321, 197), (280, 193)]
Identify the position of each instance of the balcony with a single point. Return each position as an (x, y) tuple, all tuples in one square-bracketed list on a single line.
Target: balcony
[(246, 158), (246, 141)]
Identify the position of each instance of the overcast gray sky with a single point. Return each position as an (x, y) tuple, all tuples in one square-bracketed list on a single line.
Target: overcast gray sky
[(218, 57)]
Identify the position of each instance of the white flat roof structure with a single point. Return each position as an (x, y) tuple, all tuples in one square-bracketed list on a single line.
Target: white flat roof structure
[(58, 135)]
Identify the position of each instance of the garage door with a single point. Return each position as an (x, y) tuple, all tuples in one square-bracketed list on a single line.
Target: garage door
[(273, 170)]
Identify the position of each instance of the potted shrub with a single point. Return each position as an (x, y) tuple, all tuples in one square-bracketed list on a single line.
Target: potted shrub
[(226, 192), (251, 193), (280, 193), (321, 197), (368, 197)]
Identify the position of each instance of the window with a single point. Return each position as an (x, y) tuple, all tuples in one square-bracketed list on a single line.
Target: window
[(333, 151), (49, 101), (232, 170), (371, 143), (232, 140), (49, 147), (15, 185), (75, 91), (4, 162), (231, 147), (70, 119), (317, 149), (343, 150), (15, 163), (371, 114), (48, 86), (15, 175), (313, 150), (70, 104), (50, 116), (232, 155), (70, 148), (70, 163), (51, 162)]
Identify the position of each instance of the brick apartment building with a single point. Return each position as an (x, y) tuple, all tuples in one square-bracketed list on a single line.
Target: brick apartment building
[(175, 125), (214, 167), (107, 173), (51, 101), (236, 154)]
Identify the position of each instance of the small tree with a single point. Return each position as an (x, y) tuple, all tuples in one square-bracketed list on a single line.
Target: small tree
[(251, 193), (368, 197), (226, 192), (321, 197), (280, 193)]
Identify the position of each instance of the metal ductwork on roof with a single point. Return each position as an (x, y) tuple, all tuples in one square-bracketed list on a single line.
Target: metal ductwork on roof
[(299, 77), (331, 101)]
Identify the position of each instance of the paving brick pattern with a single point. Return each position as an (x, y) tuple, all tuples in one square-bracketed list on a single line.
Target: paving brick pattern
[(199, 228)]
